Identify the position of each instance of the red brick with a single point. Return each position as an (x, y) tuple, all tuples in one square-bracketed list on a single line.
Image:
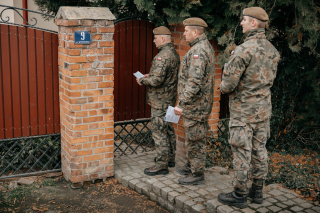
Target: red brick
[(93, 79), (92, 92), (108, 50), (103, 150), (61, 22), (106, 29), (93, 132), (106, 43), (105, 111), (105, 84), (92, 119), (96, 37), (77, 59), (106, 58), (83, 152), (93, 157), (79, 179), (73, 52), (106, 98), (93, 106), (76, 172), (93, 112), (87, 22)]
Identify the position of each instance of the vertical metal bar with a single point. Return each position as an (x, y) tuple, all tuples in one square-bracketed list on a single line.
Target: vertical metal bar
[(55, 83), (122, 71), (41, 83), (130, 80), (23, 56), (116, 72), (142, 90), (1, 92), (16, 96), (135, 67), (149, 60), (49, 81), (32, 67)]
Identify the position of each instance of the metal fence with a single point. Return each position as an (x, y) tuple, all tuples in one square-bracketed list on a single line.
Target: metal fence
[(132, 137), (30, 155)]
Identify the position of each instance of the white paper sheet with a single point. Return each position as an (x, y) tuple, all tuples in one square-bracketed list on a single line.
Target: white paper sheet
[(170, 116), (138, 74)]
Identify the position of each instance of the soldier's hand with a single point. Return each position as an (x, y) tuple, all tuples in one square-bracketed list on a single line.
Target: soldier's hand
[(178, 111), (146, 76), (137, 79)]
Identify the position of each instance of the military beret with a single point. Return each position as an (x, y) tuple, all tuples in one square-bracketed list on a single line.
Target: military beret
[(195, 22), (161, 31), (256, 12)]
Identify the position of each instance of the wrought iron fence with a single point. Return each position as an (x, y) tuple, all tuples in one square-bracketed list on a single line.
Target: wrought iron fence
[(223, 127), (30, 155), (132, 137), (33, 21)]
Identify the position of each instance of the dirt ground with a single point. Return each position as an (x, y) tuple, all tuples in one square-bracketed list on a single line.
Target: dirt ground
[(55, 195)]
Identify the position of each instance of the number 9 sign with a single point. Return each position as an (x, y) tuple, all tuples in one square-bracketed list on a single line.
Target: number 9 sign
[(82, 37)]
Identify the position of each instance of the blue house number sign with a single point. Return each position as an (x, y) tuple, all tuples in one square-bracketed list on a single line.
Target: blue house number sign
[(82, 37)]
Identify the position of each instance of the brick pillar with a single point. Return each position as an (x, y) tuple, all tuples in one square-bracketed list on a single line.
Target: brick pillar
[(86, 93), (182, 48)]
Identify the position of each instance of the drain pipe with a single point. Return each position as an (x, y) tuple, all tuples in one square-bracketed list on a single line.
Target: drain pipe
[(25, 13)]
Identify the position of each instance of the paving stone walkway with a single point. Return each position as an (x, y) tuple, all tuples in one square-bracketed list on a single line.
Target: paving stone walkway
[(167, 192)]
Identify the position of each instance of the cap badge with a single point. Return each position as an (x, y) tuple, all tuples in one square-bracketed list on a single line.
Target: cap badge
[(195, 56)]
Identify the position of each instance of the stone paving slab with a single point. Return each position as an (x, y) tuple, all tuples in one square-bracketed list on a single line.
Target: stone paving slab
[(167, 192)]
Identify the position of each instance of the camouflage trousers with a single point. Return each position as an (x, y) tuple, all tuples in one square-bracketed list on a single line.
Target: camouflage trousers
[(196, 139), (248, 143), (164, 137)]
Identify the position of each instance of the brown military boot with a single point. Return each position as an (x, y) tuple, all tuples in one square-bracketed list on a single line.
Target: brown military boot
[(192, 179), (184, 170), (154, 170), (255, 193)]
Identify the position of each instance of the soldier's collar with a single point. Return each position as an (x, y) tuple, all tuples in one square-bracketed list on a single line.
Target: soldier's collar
[(165, 45), (201, 37), (259, 32)]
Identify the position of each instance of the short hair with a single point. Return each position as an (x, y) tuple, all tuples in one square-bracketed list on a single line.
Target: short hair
[(200, 30), (260, 24), (167, 37)]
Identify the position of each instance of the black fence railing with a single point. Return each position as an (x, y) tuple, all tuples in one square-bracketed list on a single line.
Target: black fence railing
[(132, 137), (5, 19), (30, 155)]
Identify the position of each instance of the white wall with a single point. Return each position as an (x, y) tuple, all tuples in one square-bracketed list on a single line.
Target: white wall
[(15, 17), (41, 21)]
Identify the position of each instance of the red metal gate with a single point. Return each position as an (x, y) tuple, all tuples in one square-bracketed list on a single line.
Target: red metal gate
[(134, 50), (29, 82)]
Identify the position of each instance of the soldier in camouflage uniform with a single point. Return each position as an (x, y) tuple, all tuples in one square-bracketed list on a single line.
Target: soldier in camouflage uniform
[(162, 92), (248, 77), (195, 88)]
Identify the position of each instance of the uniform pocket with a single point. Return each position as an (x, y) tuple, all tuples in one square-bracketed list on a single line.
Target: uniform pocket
[(196, 131), (240, 134)]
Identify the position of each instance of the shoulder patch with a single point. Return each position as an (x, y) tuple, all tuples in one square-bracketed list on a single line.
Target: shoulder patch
[(195, 56), (159, 58)]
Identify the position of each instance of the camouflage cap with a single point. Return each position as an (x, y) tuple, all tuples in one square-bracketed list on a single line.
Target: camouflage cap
[(194, 21), (162, 30), (256, 12)]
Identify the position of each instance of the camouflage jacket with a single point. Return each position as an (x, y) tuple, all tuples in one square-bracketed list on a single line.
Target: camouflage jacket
[(196, 80), (248, 77), (163, 78)]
